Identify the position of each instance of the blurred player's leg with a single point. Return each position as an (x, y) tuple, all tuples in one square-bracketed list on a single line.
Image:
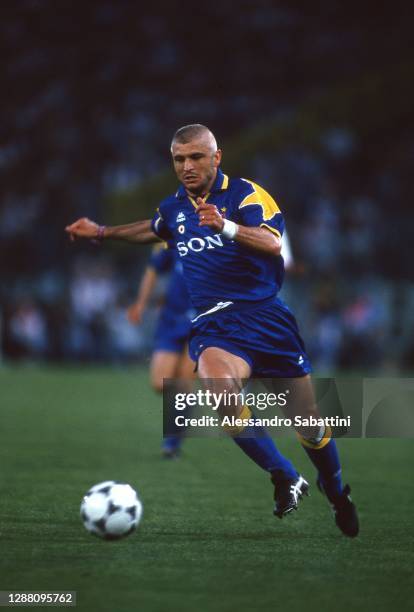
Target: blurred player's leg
[(226, 371), (175, 367), (164, 364), (185, 368)]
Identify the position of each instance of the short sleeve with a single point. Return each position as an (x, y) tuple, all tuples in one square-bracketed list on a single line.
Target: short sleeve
[(259, 209), (159, 227)]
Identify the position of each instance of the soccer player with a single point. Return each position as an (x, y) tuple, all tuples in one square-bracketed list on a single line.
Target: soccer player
[(170, 358), (227, 233)]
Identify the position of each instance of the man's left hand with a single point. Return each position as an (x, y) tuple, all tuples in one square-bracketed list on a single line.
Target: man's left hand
[(209, 215)]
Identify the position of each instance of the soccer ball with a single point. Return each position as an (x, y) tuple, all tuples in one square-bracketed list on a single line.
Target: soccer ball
[(111, 510)]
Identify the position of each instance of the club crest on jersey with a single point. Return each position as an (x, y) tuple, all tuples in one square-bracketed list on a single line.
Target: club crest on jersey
[(196, 245), (180, 217)]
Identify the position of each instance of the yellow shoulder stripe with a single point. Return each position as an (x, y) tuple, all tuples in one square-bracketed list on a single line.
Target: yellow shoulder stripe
[(260, 197)]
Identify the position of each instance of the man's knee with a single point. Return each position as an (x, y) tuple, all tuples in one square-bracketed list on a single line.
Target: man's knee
[(210, 367), (220, 364)]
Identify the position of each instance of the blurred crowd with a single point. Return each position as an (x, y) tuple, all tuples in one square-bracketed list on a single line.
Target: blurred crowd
[(79, 317), (348, 286), (352, 288)]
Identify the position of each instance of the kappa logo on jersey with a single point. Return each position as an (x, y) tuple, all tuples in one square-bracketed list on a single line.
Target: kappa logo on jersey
[(180, 217), (199, 244)]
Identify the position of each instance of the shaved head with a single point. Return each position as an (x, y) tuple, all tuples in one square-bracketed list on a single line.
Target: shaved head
[(195, 131), (195, 157)]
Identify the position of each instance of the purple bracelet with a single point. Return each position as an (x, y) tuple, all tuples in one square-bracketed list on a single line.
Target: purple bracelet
[(101, 232), (99, 236)]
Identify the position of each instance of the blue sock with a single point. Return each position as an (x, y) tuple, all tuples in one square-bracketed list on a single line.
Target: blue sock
[(326, 461), (172, 433), (171, 443), (259, 446)]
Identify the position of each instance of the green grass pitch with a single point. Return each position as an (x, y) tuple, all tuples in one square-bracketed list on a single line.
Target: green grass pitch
[(208, 540)]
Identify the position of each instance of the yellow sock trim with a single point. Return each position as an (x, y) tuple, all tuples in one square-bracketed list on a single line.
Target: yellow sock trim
[(237, 429), (316, 445)]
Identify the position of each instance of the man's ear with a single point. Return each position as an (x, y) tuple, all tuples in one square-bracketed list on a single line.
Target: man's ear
[(217, 158)]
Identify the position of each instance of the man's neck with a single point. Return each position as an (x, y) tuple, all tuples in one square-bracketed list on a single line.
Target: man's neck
[(200, 194)]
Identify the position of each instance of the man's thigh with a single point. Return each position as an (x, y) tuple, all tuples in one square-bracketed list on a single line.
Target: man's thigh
[(223, 372)]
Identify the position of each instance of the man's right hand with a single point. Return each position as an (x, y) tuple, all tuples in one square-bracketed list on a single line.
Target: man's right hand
[(134, 313), (82, 228)]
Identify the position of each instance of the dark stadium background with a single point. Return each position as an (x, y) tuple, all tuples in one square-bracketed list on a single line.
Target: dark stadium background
[(314, 101)]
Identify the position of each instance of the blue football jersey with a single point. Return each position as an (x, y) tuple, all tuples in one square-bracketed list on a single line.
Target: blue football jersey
[(164, 260), (218, 270)]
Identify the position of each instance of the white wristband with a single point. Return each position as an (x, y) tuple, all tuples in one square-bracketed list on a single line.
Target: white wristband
[(230, 229)]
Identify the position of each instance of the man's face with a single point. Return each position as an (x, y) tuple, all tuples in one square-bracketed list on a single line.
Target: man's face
[(196, 164)]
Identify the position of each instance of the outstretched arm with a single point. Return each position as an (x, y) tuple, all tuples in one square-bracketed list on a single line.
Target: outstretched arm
[(140, 231), (146, 288)]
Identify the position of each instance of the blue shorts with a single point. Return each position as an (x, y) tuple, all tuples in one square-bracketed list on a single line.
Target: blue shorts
[(172, 332), (266, 336)]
